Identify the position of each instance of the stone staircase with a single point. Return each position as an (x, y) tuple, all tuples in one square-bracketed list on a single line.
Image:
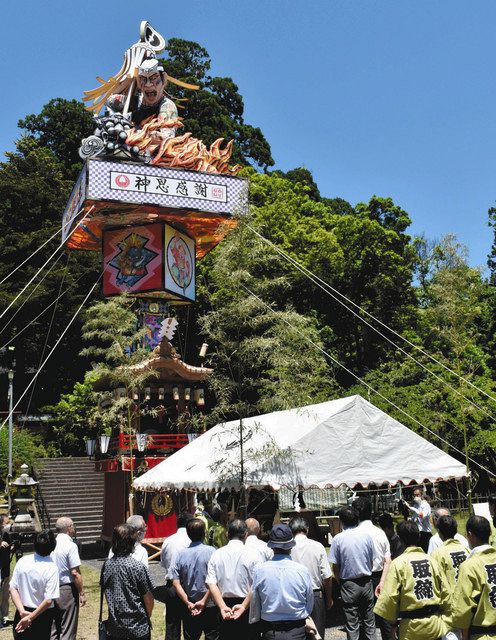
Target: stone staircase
[(71, 487)]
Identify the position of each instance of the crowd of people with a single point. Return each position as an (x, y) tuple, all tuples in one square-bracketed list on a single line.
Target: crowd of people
[(246, 589), (228, 584)]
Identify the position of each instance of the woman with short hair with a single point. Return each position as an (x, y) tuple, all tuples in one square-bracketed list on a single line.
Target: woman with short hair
[(33, 587), (128, 589)]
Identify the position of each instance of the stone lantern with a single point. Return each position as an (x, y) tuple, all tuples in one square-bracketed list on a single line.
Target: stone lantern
[(23, 491)]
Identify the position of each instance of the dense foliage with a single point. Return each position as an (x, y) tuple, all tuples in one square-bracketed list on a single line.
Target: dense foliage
[(26, 449)]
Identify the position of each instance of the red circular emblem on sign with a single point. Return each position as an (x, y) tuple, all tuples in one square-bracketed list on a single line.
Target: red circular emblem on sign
[(122, 181)]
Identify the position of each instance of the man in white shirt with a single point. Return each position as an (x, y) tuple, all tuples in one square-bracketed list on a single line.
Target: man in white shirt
[(229, 579), (382, 556), (253, 541), (421, 515), (312, 555), (33, 588), (174, 607), (72, 596), (139, 527), (436, 541)]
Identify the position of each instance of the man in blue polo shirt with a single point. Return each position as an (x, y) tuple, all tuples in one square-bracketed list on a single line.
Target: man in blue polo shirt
[(352, 557), (282, 593), (188, 573)]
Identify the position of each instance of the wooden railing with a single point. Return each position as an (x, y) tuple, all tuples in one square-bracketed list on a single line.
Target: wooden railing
[(153, 441)]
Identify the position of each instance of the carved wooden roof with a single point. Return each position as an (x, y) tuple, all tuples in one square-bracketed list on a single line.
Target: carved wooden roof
[(167, 361)]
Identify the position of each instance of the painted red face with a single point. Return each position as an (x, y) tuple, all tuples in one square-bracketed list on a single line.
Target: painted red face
[(152, 88)]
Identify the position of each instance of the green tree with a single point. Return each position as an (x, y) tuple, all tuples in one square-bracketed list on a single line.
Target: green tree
[(60, 126), (265, 355), (26, 449), (72, 419), (491, 295), (450, 328), (115, 346), (377, 273), (216, 110), (491, 258), (366, 255), (262, 355), (302, 175), (33, 192)]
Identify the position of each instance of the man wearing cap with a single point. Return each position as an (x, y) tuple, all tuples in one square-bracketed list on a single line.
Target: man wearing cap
[(282, 593), (151, 81)]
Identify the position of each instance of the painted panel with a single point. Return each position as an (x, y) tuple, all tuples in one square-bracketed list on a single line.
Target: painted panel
[(133, 259), (179, 263)]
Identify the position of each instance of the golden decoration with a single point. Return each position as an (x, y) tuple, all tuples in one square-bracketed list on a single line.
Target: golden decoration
[(162, 504), (184, 151)]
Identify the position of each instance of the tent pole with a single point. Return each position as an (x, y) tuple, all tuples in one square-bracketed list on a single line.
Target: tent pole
[(242, 497), (469, 473)]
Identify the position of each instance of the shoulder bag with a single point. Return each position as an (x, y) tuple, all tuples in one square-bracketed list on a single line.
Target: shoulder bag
[(102, 624)]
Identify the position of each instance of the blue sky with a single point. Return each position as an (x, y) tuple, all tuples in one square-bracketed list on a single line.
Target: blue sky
[(387, 97)]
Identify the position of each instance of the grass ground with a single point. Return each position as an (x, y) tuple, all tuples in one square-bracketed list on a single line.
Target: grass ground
[(88, 615)]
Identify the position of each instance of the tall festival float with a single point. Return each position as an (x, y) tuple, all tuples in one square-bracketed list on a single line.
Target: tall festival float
[(153, 200)]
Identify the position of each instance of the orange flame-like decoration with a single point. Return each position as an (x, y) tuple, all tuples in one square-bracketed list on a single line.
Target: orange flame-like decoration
[(184, 151)]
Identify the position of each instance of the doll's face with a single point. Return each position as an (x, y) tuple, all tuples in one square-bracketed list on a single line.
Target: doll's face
[(151, 87)]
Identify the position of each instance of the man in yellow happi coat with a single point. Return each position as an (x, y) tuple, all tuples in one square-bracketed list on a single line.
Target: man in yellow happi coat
[(451, 553), (414, 591), (474, 600), (449, 556)]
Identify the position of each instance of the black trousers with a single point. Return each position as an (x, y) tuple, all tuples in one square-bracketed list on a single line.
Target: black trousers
[(207, 622), (383, 625), (174, 613), (147, 637), (283, 630), (40, 628), (239, 629), (319, 612), (358, 607)]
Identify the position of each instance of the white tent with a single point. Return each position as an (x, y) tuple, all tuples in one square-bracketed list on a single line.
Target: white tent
[(342, 442)]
